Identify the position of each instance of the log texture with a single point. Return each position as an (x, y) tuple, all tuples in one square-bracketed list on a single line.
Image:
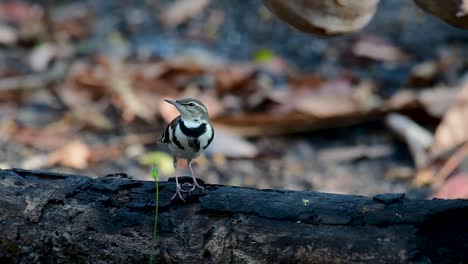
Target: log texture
[(47, 217)]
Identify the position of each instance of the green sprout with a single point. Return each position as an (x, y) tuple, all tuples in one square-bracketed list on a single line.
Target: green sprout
[(155, 174)]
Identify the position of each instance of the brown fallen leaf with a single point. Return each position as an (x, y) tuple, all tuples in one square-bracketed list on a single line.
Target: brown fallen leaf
[(232, 78), (341, 154), (74, 154), (378, 49), (456, 187), (437, 101), (325, 106), (453, 129), (120, 81), (324, 17), (83, 108), (450, 146), (182, 10), (48, 138), (231, 145)]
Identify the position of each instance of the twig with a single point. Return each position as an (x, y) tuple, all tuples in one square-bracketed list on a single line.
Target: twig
[(418, 139)]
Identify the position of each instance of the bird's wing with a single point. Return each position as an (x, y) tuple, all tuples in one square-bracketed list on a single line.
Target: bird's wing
[(166, 135)]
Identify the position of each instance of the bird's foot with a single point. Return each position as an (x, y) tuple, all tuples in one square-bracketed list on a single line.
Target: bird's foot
[(194, 186), (178, 192)]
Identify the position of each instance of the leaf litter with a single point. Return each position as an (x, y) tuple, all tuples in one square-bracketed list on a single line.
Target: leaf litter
[(111, 109)]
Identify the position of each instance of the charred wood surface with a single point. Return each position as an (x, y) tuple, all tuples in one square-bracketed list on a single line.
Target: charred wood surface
[(47, 217)]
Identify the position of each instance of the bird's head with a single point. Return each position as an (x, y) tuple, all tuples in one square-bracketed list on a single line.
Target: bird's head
[(190, 109)]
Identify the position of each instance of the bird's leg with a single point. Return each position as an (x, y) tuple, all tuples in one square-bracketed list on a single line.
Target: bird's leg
[(178, 188), (195, 183)]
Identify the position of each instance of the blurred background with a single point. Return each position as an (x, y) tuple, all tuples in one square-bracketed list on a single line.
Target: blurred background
[(380, 110)]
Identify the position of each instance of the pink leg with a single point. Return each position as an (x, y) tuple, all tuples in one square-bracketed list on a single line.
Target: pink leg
[(178, 188), (195, 183)]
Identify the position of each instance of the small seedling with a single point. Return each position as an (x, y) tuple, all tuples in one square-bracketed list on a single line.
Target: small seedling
[(154, 175)]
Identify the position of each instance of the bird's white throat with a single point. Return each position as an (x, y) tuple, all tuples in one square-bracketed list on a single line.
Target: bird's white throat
[(193, 123)]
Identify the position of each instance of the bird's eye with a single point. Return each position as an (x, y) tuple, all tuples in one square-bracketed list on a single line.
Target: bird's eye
[(191, 104)]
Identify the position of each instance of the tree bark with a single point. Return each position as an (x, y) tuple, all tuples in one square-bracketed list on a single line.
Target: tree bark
[(48, 217)]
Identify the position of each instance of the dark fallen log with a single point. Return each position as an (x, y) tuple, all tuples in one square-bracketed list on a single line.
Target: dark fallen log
[(47, 217)]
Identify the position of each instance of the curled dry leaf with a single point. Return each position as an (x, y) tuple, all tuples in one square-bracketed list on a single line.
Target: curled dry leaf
[(450, 11), (83, 108), (437, 101), (450, 146), (41, 56), (121, 83), (48, 138), (378, 49), (231, 145), (453, 129), (75, 154), (183, 10), (324, 17), (325, 106), (230, 79), (456, 187)]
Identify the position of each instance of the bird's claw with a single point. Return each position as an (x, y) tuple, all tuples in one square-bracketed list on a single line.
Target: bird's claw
[(177, 193), (194, 186)]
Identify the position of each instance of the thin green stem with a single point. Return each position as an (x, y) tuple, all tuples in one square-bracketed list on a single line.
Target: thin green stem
[(154, 173)]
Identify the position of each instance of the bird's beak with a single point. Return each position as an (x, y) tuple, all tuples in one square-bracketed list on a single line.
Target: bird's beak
[(172, 102)]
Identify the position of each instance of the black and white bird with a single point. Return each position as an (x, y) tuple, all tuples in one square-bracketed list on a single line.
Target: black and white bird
[(188, 135)]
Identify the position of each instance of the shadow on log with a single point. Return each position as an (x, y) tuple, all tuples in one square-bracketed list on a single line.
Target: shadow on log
[(47, 217)]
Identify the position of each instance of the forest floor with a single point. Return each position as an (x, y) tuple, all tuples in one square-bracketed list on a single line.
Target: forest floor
[(82, 85)]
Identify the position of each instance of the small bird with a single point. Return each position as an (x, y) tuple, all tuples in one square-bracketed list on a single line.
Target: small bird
[(188, 135)]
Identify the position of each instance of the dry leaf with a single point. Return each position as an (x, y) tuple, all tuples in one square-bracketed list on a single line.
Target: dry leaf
[(230, 79), (456, 187), (183, 10), (453, 129), (378, 49), (325, 106), (84, 108), (231, 145), (121, 83), (41, 56), (324, 17), (75, 154), (436, 101), (48, 138), (340, 154), (8, 35)]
